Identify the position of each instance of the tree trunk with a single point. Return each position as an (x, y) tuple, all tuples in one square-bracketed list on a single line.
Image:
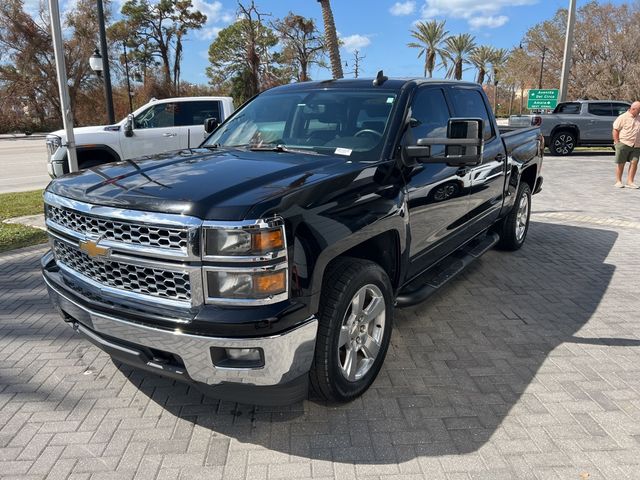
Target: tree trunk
[(304, 76), (332, 39), (458, 71), (430, 63), (481, 74)]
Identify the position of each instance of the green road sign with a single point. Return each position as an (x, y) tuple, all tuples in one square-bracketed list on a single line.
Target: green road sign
[(542, 99)]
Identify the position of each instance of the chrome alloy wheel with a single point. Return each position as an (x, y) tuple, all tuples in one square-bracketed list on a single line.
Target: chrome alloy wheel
[(522, 217), (361, 332)]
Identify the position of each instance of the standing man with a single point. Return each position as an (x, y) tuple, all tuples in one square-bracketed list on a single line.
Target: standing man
[(626, 138)]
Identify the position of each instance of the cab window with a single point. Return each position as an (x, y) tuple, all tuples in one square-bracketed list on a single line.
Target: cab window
[(157, 116)]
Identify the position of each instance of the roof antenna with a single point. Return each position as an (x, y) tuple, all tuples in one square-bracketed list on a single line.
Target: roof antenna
[(380, 79)]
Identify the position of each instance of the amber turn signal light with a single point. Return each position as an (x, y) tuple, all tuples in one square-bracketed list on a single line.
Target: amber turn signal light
[(271, 283), (268, 240)]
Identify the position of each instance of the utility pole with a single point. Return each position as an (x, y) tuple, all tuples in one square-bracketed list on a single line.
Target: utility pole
[(126, 70), (568, 48), (544, 52), (108, 97), (63, 86)]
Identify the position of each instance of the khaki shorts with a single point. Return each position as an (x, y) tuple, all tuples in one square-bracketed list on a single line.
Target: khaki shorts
[(625, 153)]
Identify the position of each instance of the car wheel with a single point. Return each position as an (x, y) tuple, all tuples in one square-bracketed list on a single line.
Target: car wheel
[(514, 227), (354, 329), (562, 143)]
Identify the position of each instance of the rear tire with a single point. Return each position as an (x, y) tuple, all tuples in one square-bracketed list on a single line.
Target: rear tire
[(514, 227), (563, 143), (354, 329)]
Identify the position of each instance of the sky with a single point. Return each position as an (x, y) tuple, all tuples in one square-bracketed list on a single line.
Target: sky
[(379, 29)]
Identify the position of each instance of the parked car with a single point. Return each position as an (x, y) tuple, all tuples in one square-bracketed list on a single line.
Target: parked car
[(157, 127), (583, 123), (274, 255)]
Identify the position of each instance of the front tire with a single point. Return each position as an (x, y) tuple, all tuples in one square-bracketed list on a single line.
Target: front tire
[(354, 329), (563, 143), (514, 227)]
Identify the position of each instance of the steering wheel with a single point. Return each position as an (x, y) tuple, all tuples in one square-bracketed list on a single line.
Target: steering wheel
[(366, 131)]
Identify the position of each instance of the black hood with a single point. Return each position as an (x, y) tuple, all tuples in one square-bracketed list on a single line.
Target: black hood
[(212, 185)]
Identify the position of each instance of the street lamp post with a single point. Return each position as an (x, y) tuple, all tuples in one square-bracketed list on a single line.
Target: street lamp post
[(105, 63)]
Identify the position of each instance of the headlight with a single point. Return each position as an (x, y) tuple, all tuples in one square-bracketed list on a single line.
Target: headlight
[(256, 285), (245, 262), (241, 242)]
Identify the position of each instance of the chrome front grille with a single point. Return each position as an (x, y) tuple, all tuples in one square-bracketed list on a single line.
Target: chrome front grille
[(124, 232), (173, 285)]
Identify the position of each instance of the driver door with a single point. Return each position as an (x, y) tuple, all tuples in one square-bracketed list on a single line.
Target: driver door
[(154, 131)]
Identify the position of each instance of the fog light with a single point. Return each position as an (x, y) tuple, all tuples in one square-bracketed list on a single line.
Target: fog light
[(237, 357), (243, 354)]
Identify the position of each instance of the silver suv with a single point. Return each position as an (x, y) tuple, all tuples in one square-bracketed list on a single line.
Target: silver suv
[(583, 123)]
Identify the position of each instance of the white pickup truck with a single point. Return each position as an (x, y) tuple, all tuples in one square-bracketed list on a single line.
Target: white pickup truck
[(159, 126)]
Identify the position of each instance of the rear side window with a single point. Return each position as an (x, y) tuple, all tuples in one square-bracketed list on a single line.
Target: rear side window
[(195, 113), (468, 103), (619, 108), (572, 108), (430, 116), (600, 109)]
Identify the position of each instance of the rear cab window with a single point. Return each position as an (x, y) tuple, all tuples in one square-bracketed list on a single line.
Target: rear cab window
[(600, 109), (570, 108), (469, 103)]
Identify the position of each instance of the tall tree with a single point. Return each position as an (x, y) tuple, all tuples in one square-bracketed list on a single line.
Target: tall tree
[(331, 38), (160, 28), (481, 59), (27, 63), (458, 48), (303, 45), (232, 69), (429, 36)]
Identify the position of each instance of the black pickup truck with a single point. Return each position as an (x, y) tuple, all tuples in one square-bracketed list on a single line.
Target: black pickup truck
[(272, 256)]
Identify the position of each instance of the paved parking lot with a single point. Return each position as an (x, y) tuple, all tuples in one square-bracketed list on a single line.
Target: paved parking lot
[(23, 163), (527, 366)]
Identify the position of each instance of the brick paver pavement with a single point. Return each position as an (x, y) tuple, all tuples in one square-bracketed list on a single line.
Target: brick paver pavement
[(528, 366)]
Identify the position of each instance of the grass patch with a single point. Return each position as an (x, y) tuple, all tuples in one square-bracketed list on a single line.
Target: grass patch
[(18, 236), (19, 204), (16, 205)]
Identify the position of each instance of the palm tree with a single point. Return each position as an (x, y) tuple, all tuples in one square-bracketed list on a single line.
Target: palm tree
[(331, 38), (480, 58), (430, 36), (458, 48)]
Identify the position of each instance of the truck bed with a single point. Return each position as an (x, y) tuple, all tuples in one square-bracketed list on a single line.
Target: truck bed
[(520, 141)]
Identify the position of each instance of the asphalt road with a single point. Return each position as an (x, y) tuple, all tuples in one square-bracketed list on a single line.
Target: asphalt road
[(23, 164)]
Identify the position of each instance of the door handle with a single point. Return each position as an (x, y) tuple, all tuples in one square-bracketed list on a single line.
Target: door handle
[(169, 134)]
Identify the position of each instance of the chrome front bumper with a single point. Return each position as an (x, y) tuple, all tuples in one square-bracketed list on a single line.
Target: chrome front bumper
[(286, 356)]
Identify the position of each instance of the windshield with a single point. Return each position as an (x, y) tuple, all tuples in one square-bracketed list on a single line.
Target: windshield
[(350, 123)]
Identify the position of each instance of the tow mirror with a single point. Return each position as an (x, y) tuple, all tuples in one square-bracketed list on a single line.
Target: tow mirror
[(210, 124), (128, 126), (463, 144)]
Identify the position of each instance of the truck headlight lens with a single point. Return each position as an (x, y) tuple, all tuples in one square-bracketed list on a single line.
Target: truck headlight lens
[(219, 242), (245, 263), (255, 285)]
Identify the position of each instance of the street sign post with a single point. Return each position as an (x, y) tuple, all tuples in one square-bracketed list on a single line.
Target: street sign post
[(542, 99)]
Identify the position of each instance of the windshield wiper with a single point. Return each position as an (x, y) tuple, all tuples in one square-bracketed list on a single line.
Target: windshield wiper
[(280, 148)]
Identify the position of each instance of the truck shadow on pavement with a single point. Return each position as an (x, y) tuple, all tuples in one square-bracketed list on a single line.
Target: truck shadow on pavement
[(457, 364)]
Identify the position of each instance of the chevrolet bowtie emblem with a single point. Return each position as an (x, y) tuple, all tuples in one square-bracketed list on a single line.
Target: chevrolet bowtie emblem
[(91, 248)]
